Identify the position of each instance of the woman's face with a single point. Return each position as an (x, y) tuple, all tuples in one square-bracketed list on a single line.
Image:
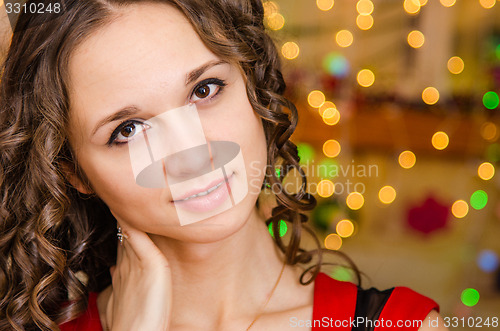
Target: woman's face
[(148, 61)]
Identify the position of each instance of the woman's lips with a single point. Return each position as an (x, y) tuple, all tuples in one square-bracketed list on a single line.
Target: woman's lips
[(208, 198)]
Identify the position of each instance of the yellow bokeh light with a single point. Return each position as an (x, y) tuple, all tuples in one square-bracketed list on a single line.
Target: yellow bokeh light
[(455, 65), (290, 50), (325, 106), (416, 39), (345, 228), (270, 8), (364, 7), (411, 6), (355, 200), (423, 2), (460, 208), (487, 3), (325, 5), (344, 38), (325, 188), (331, 116), (489, 131), (430, 95), (275, 21), (387, 194), (366, 78), (333, 241), (364, 22), (316, 98), (407, 159), (447, 3), (331, 148), (486, 171), (440, 140)]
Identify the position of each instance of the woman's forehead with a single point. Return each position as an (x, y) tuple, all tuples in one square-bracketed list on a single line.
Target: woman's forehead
[(146, 44)]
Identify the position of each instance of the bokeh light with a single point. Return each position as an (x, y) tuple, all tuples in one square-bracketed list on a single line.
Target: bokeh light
[(282, 228), (430, 95), (365, 78), (290, 50), (333, 241), (487, 3), (325, 5), (331, 148), (460, 209), (336, 64), (411, 6), (489, 131), (448, 3), (416, 39), (306, 152), (355, 200), (345, 228), (326, 105), (344, 38), (469, 297), (275, 21), (486, 171), (341, 273), (270, 8), (364, 22), (479, 199), (364, 7), (491, 100), (325, 188), (331, 116), (440, 140), (487, 260), (456, 65), (316, 98), (387, 194), (407, 159)]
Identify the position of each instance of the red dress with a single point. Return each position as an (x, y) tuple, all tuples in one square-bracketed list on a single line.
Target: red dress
[(337, 305)]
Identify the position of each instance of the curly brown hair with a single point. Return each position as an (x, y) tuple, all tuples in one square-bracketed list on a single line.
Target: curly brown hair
[(48, 230)]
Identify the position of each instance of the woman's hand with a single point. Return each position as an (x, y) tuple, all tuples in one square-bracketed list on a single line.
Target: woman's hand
[(141, 297)]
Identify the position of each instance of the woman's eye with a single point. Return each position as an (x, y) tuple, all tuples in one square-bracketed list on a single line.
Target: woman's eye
[(126, 132), (204, 91)]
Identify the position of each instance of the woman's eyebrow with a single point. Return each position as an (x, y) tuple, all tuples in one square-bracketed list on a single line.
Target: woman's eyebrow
[(196, 73), (122, 113), (132, 110)]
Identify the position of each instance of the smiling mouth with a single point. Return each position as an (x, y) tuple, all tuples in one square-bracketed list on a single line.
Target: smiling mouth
[(194, 194), (202, 193)]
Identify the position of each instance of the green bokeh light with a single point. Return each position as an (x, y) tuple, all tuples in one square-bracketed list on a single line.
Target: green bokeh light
[(306, 152), (342, 274), (283, 228), (478, 199), (470, 297), (328, 168), (491, 100), (497, 51)]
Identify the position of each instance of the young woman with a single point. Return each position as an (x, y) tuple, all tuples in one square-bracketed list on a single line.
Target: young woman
[(80, 90)]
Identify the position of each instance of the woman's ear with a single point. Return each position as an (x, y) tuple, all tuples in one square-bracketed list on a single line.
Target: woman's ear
[(70, 173)]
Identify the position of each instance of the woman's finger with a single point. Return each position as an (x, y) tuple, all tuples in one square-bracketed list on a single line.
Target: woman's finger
[(143, 247)]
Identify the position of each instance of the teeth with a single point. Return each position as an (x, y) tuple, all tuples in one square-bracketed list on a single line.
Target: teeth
[(204, 193)]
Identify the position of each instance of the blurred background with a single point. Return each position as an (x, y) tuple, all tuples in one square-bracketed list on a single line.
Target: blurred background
[(398, 132)]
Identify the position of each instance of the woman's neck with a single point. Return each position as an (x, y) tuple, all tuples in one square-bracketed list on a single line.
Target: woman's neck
[(228, 281)]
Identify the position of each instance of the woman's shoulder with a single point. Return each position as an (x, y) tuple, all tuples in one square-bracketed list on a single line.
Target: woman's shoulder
[(347, 305), (88, 321)]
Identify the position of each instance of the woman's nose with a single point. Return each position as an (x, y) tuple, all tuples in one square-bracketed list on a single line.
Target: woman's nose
[(189, 163)]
